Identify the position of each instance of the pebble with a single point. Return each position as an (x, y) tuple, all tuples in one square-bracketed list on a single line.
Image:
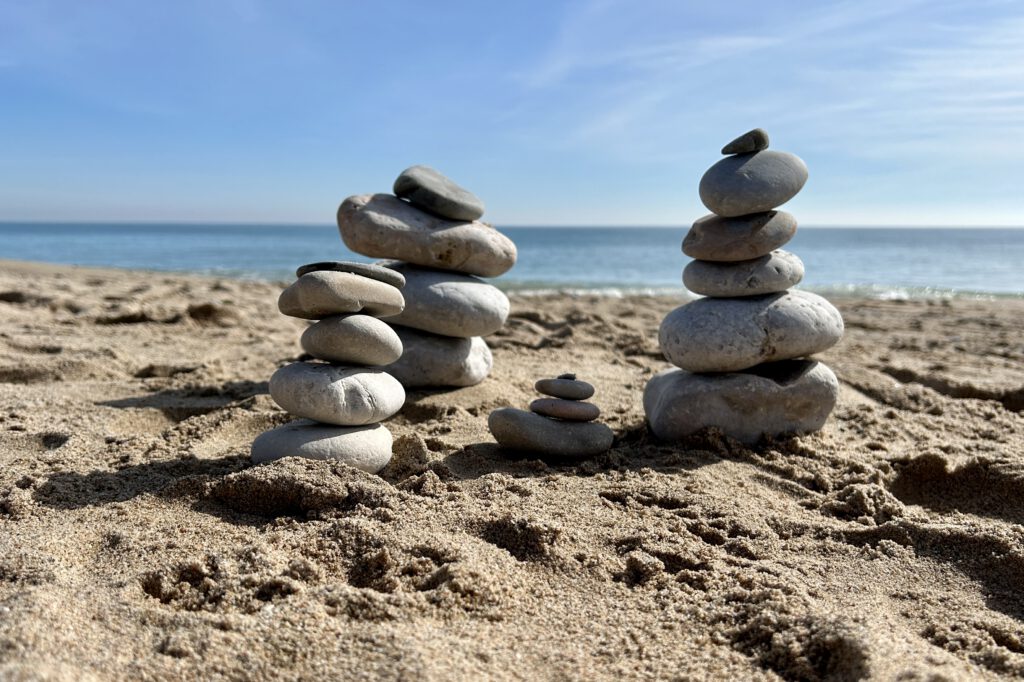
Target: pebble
[(430, 360), (565, 387), (731, 239), (777, 271), (346, 396), (324, 292), (751, 183), (752, 141), (732, 334), (528, 432), (571, 410), (793, 396), (424, 187), (367, 448), (377, 272), (450, 304), (352, 340), (384, 226)]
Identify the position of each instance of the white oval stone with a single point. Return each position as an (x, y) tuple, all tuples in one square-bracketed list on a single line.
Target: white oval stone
[(448, 303), (769, 274), (434, 360), (367, 448), (384, 226), (327, 292), (524, 431), (732, 334), (346, 396), (352, 340), (792, 396)]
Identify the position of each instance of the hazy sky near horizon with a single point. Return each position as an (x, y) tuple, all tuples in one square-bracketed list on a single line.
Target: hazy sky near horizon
[(600, 112)]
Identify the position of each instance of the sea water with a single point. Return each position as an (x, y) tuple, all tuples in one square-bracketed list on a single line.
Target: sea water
[(881, 262)]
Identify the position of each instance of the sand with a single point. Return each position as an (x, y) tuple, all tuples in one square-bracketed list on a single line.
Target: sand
[(137, 541)]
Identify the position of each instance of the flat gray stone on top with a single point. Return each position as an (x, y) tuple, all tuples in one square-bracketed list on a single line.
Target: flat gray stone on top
[(352, 340), (449, 303), (568, 389), (384, 226), (333, 394), (733, 334), (431, 360), (751, 183), (777, 271), (324, 293), (792, 396), (571, 410), (428, 189), (523, 431), (751, 141), (721, 239), (377, 272), (367, 448)]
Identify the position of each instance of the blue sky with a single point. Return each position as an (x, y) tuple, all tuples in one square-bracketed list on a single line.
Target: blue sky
[(597, 112)]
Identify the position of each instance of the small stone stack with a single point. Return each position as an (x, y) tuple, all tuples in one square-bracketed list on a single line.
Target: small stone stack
[(430, 227), (742, 351), (559, 426), (344, 399)]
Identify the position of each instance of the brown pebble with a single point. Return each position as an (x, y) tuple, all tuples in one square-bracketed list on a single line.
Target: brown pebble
[(571, 410), (569, 389)]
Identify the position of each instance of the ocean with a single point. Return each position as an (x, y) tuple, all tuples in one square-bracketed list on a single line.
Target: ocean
[(876, 262)]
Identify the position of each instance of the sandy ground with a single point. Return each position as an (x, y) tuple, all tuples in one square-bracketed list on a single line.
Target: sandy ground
[(137, 542)]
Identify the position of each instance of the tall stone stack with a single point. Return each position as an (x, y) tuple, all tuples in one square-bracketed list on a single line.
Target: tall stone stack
[(430, 226), (342, 399), (742, 352)]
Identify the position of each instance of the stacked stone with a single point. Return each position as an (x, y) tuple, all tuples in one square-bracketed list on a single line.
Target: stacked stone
[(742, 351), (561, 425), (344, 398), (430, 227)]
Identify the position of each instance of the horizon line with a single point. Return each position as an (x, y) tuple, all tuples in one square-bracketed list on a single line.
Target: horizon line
[(528, 226)]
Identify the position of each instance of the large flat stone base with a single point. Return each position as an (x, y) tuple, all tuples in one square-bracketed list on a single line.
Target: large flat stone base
[(792, 396)]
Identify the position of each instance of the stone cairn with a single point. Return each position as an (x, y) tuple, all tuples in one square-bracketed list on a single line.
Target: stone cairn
[(344, 399), (742, 351), (430, 227), (559, 426)]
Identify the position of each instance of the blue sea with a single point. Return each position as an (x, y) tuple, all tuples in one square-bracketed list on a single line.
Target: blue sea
[(880, 262)]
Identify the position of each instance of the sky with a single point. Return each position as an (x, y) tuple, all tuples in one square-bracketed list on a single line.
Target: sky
[(590, 112)]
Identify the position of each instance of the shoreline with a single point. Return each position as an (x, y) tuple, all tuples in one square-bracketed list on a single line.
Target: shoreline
[(138, 541), (513, 288)]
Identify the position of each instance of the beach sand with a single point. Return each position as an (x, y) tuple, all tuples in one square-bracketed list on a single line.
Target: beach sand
[(137, 541)]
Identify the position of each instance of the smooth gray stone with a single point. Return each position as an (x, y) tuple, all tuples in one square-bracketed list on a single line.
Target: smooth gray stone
[(568, 389), (352, 340), (424, 187), (377, 272), (324, 293), (733, 334), (367, 448), (793, 396), (752, 141), (777, 271), (346, 396), (448, 303), (751, 183), (384, 226), (528, 432), (434, 360), (571, 410), (731, 239)]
